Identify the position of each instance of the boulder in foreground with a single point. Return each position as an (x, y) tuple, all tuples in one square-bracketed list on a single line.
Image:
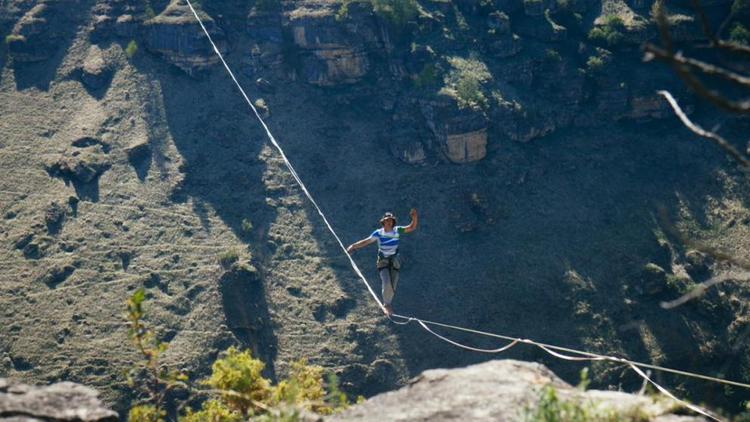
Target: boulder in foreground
[(64, 401), (500, 390)]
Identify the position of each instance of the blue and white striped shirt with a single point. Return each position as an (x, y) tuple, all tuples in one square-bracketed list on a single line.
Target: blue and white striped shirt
[(387, 241)]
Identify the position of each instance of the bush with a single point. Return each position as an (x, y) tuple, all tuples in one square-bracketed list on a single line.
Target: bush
[(214, 411), (595, 63), (131, 49), (247, 225), (13, 38), (228, 258), (146, 413), (465, 82), (552, 55), (739, 34), (428, 76), (397, 12), (610, 32), (239, 378)]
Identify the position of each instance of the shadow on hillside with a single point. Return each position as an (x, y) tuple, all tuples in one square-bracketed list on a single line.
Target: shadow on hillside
[(47, 49), (221, 171), (244, 299), (580, 200)]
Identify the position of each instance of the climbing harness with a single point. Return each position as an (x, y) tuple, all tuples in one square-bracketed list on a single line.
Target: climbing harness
[(577, 355)]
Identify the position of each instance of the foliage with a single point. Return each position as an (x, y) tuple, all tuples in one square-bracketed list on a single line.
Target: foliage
[(428, 76), (552, 408), (247, 225), (149, 374), (584, 380), (212, 411), (465, 82), (397, 12), (237, 386), (610, 32), (304, 388), (12, 38), (552, 55), (238, 377), (131, 49), (146, 413), (739, 34), (595, 63), (229, 258), (243, 391)]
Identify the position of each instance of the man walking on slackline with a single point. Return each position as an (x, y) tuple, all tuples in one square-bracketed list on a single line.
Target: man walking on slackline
[(388, 263)]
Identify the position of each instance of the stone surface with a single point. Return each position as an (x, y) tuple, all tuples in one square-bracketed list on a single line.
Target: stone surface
[(460, 133), (499, 390), (330, 55), (33, 38), (64, 401), (95, 71), (80, 165), (176, 35)]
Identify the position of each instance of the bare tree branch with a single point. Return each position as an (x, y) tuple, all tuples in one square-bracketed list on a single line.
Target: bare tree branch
[(706, 68), (697, 291), (713, 137)]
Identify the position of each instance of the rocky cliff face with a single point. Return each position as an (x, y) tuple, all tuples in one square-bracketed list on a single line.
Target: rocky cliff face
[(505, 390), (536, 153), (65, 401)]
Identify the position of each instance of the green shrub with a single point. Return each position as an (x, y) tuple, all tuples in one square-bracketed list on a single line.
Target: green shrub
[(11, 38), (228, 258), (131, 49), (465, 82), (146, 413), (239, 378), (739, 34), (552, 55), (397, 12), (213, 411), (247, 225), (595, 63), (610, 32), (304, 388), (428, 76)]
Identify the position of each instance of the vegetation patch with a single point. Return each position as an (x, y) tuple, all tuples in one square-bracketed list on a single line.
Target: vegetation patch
[(610, 33), (228, 258), (14, 38), (237, 389), (131, 49), (396, 12), (739, 34), (465, 82)]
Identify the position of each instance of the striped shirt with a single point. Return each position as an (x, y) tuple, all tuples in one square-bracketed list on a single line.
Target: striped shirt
[(387, 241)]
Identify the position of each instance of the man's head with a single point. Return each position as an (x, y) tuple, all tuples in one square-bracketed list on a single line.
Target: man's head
[(388, 221)]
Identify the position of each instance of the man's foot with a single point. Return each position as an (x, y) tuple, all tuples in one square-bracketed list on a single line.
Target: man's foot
[(388, 310)]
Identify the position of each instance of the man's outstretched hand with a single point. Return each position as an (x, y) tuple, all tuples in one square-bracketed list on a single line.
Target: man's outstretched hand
[(413, 213)]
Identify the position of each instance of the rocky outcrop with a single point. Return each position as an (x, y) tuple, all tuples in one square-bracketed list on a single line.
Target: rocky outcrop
[(83, 163), (265, 31), (33, 37), (64, 401), (177, 36), (95, 71), (500, 390), (461, 133), (330, 54)]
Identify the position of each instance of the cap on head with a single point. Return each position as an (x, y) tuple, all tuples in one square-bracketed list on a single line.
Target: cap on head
[(387, 216)]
